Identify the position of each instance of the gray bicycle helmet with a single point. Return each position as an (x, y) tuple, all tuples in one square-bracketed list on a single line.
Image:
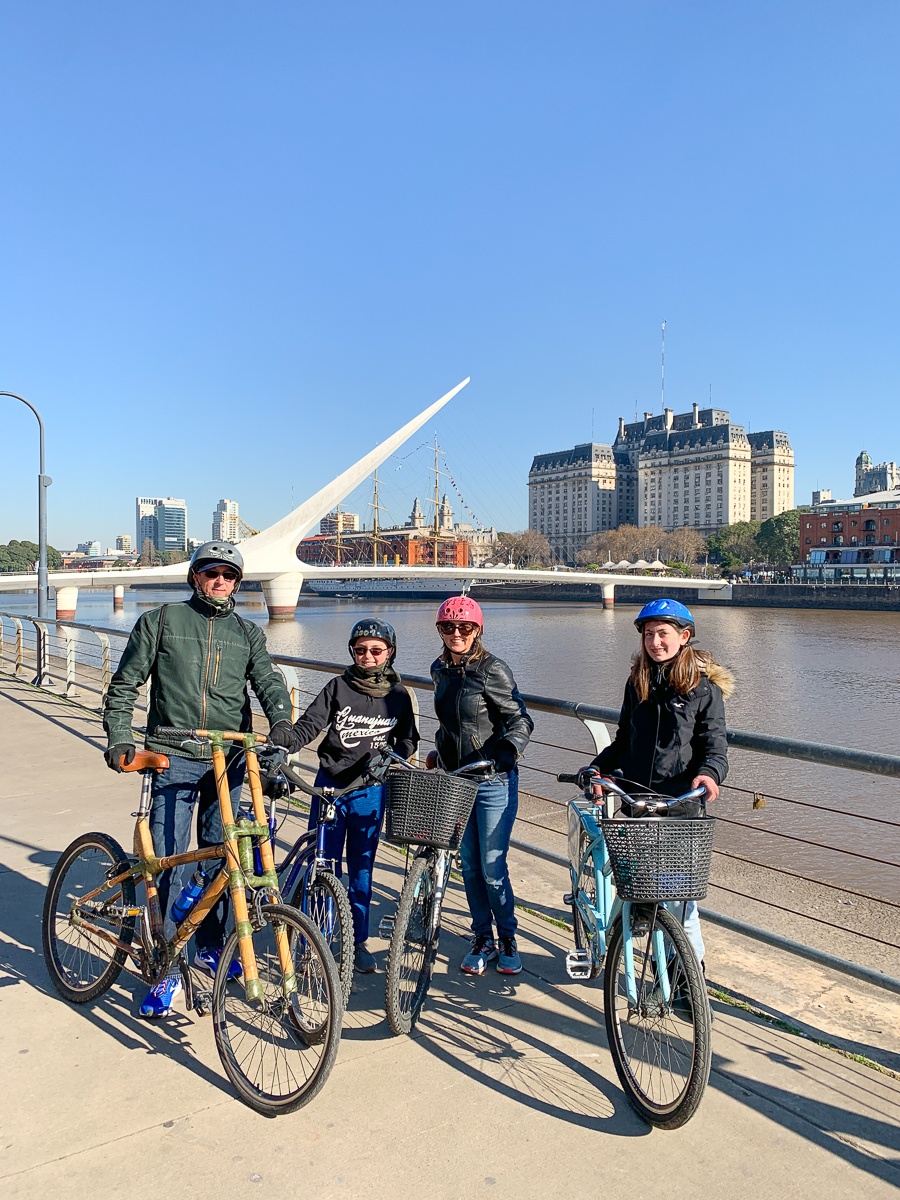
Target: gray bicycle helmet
[(371, 627), (213, 554)]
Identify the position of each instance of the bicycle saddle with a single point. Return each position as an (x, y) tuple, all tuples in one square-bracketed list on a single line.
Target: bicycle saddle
[(145, 760)]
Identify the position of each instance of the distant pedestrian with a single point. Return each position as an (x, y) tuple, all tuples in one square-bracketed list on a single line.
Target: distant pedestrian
[(671, 735), (482, 716), (363, 710)]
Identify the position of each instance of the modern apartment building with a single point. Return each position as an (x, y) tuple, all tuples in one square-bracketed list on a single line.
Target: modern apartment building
[(695, 468), (163, 520), (347, 522), (226, 522), (123, 543), (571, 495)]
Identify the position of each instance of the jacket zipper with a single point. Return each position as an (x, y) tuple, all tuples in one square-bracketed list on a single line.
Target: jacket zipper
[(216, 671), (206, 680)]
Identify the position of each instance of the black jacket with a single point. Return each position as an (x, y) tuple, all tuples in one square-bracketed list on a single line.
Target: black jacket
[(480, 712), (357, 724), (667, 740)]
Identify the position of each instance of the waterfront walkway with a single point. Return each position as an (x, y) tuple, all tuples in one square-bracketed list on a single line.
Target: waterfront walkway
[(506, 1090)]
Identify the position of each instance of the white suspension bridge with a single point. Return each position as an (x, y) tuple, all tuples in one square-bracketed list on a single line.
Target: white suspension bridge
[(270, 557)]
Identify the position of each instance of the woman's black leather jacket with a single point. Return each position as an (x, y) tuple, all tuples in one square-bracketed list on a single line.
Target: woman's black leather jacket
[(480, 712)]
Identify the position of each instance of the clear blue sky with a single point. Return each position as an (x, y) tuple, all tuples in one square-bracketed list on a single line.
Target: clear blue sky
[(243, 242)]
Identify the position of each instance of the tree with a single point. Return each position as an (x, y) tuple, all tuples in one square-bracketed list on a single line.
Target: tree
[(628, 541), (684, 545), (779, 538), (527, 548), (19, 557), (734, 546)]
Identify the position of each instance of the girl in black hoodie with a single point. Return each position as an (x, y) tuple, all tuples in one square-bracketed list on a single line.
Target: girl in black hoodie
[(361, 711)]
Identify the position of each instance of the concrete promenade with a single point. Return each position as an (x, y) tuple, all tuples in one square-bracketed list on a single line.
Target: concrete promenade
[(506, 1090)]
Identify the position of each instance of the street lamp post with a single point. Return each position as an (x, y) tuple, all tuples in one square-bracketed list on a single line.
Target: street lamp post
[(44, 481)]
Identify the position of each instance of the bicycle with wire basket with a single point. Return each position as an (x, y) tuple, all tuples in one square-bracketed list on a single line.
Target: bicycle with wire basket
[(624, 869), (427, 811), (277, 1022)]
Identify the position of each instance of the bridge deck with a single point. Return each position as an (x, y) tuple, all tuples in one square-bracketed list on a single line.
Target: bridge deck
[(507, 1089)]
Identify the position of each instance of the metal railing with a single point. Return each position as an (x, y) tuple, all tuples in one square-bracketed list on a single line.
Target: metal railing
[(76, 661)]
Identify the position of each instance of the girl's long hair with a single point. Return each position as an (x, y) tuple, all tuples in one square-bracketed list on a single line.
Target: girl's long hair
[(684, 670)]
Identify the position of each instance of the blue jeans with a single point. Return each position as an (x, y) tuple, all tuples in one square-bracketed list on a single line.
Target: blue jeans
[(688, 914), (358, 822), (483, 851), (186, 785)]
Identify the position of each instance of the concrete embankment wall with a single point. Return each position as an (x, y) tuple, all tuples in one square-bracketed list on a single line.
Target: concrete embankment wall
[(862, 597)]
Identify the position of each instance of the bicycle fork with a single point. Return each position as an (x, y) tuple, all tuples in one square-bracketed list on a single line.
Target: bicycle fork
[(658, 953)]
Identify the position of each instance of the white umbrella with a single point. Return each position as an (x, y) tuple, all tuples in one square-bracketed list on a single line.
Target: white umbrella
[(656, 565), (640, 565), (622, 566)]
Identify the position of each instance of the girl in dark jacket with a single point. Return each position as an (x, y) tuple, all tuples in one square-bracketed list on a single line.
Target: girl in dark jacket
[(362, 711), (671, 734), (482, 716)]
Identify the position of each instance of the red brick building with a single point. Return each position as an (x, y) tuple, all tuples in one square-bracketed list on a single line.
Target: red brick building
[(396, 547), (860, 535)]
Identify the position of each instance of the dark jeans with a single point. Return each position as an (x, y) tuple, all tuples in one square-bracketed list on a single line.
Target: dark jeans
[(189, 784), (358, 822), (483, 851)]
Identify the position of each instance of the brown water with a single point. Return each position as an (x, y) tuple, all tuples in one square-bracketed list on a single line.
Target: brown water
[(822, 676)]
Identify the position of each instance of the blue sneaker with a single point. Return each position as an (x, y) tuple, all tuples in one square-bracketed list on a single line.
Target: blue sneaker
[(484, 950), (208, 960), (508, 961), (158, 1002)]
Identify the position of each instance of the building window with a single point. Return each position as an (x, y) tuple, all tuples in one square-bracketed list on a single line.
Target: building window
[(837, 526), (868, 525)]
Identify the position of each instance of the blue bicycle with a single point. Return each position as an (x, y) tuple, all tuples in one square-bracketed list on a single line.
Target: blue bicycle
[(658, 1019), (305, 874)]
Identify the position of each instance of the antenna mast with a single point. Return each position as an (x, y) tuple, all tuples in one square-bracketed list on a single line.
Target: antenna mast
[(339, 543), (663, 370)]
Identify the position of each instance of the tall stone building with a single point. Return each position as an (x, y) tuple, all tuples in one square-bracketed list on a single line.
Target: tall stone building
[(226, 522), (869, 478), (571, 495), (695, 468)]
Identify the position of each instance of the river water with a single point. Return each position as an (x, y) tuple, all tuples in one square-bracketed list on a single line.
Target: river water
[(821, 676)]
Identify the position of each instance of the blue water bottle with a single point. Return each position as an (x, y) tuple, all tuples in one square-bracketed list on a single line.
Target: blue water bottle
[(190, 894)]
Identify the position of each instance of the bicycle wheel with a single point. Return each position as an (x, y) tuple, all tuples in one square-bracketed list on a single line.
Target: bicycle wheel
[(587, 882), (81, 962), (326, 904), (661, 1049), (413, 949), (279, 1050)]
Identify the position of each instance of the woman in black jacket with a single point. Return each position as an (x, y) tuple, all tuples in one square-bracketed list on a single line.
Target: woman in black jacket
[(361, 711), (482, 716), (671, 736)]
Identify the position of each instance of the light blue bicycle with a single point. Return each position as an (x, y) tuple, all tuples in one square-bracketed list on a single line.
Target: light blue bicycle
[(654, 995)]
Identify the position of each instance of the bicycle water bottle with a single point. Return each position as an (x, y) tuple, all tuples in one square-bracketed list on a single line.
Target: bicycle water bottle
[(190, 894)]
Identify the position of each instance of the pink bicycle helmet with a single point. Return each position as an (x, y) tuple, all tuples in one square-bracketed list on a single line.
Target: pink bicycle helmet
[(461, 608)]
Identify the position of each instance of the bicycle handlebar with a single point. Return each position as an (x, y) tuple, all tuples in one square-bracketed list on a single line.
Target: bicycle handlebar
[(204, 735), (640, 806)]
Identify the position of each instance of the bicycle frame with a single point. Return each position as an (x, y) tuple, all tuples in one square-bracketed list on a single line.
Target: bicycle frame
[(600, 918), (237, 875)]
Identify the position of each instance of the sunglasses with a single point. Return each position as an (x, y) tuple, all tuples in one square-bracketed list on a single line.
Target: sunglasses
[(463, 627), (362, 651), (214, 573)]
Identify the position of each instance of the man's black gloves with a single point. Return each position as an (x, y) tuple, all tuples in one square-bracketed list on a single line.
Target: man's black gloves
[(114, 754), (282, 734)]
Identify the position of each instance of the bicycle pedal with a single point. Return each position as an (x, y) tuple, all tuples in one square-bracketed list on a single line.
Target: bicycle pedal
[(203, 1003), (386, 928), (578, 964), (568, 899)]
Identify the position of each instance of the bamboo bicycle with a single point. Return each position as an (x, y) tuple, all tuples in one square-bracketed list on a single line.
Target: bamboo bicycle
[(277, 1025)]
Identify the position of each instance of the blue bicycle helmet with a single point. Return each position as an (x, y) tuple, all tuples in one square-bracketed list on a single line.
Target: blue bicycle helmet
[(666, 610)]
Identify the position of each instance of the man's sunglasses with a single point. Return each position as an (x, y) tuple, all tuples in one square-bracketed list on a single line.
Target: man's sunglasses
[(463, 627), (213, 572)]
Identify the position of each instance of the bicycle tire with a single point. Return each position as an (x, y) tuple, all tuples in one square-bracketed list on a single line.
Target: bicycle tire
[(587, 882), (412, 953), (327, 905), (81, 968), (662, 1070), (293, 1042)]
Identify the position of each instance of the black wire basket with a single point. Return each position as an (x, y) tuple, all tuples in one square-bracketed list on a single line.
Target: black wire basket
[(659, 858), (427, 808)]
